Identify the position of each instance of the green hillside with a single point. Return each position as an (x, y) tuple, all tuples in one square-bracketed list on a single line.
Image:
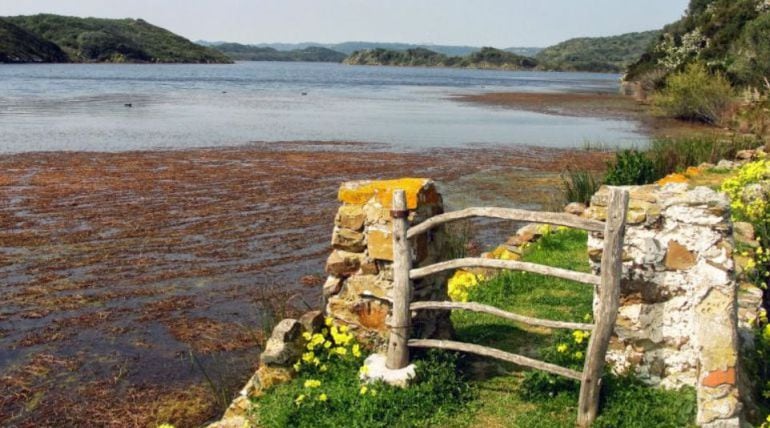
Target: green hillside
[(240, 52), (486, 58), (730, 36), (114, 40), (19, 45), (598, 54)]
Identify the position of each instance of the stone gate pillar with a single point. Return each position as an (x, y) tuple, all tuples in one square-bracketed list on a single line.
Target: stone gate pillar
[(357, 290)]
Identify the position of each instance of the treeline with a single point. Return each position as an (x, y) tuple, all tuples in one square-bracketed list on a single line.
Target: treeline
[(486, 58), (54, 38), (240, 52)]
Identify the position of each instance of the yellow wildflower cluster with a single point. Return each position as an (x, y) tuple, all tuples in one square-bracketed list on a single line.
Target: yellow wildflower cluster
[(461, 283)]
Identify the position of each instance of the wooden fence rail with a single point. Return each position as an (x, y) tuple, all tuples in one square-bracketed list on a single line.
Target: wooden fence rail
[(608, 288)]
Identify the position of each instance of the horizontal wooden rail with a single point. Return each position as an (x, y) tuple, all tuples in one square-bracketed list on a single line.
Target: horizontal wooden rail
[(586, 278), (478, 307), (558, 219), (495, 353)]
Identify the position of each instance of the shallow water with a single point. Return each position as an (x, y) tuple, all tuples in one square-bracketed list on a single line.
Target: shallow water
[(83, 107)]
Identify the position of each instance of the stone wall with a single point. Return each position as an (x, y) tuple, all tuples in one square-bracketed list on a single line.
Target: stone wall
[(678, 320), (360, 269)]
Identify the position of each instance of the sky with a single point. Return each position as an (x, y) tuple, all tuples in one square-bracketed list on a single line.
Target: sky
[(498, 23)]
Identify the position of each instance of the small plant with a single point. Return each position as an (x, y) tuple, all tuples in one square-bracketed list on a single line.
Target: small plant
[(568, 351), (328, 393), (695, 94), (631, 167), (579, 186), (677, 154)]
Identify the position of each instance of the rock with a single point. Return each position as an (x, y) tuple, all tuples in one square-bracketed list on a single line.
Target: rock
[(575, 208), (744, 233), (377, 370), (348, 240), (332, 286), (284, 345), (745, 155), (529, 232), (312, 322), (350, 217), (726, 164), (343, 263), (380, 244), (678, 257), (705, 166)]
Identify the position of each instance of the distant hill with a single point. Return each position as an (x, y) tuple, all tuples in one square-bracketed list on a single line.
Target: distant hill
[(108, 40), (728, 36), (19, 45), (239, 52), (486, 58), (597, 54), (350, 47), (530, 52)]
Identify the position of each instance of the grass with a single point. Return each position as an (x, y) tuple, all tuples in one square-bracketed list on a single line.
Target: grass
[(503, 400), (455, 391)]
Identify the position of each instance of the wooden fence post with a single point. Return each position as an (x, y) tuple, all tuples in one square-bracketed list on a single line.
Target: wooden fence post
[(400, 318), (609, 296)]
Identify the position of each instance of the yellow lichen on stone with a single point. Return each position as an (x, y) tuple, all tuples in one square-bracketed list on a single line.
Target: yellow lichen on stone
[(672, 178), (360, 192), (692, 171)]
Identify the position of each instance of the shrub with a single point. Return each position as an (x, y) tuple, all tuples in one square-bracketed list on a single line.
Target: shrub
[(579, 186), (627, 402), (631, 167), (677, 154), (694, 94)]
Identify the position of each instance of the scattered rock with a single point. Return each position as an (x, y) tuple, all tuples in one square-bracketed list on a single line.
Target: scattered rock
[(350, 217), (575, 208), (343, 263), (348, 240), (726, 164), (284, 345)]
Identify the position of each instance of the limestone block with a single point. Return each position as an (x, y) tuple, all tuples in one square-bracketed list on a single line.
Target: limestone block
[(284, 345), (678, 257), (348, 240), (332, 286), (343, 263), (575, 208), (350, 217), (380, 244)]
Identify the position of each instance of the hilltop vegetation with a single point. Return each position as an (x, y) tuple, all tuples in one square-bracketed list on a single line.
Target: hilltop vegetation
[(101, 40), (726, 36), (19, 45), (599, 54), (240, 52), (486, 58)]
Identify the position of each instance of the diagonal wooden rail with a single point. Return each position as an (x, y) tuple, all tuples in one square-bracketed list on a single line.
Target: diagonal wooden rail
[(607, 288)]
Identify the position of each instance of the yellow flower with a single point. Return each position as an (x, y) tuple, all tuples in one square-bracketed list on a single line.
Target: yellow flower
[(579, 336), (308, 357), (766, 333), (328, 321), (363, 370), (340, 351), (307, 335), (312, 383), (578, 355), (363, 390), (356, 350), (297, 366), (322, 397), (562, 348), (299, 399), (323, 368), (165, 426), (373, 393)]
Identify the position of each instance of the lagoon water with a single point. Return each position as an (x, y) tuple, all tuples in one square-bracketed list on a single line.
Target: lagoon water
[(84, 107)]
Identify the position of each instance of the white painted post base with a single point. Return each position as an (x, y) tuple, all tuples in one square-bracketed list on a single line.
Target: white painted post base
[(377, 370)]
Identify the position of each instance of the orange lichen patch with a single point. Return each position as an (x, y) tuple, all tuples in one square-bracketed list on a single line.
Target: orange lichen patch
[(672, 178), (360, 192), (692, 171), (719, 377)]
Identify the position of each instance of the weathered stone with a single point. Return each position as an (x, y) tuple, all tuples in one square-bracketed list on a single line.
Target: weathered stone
[(348, 240), (343, 263), (369, 267), (283, 347), (332, 286), (726, 164), (636, 216), (380, 244), (746, 155), (416, 189), (350, 217), (744, 233), (678, 257), (575, 208), (312, 321), (529, 232)]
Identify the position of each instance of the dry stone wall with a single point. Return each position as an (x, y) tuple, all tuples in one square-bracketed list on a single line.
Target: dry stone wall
[(678, 320), (360, 267)]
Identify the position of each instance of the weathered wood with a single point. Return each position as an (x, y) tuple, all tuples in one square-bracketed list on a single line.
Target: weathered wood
[(478, 307), (586, 278), (400, 318), (495, 353), (609, 295), (558, 219)]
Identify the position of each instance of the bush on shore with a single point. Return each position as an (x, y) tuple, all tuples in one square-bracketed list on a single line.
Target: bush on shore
[(695, 94)]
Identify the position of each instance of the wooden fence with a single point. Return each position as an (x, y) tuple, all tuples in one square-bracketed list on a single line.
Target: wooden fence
[(608, 284)]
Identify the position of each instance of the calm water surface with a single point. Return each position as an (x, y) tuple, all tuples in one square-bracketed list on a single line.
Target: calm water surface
[(82, 107)]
